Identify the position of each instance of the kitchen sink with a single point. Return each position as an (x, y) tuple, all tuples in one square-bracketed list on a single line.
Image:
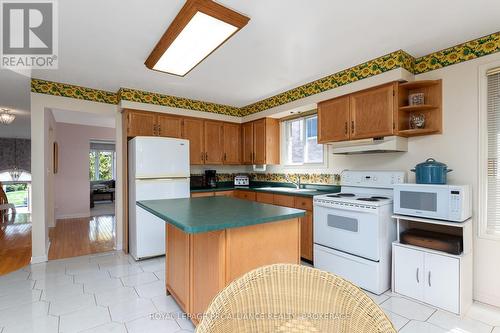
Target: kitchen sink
[(285, 189)]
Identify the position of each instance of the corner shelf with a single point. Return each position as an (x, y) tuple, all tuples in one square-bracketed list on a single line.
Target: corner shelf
[(431, 110), (423, 107)]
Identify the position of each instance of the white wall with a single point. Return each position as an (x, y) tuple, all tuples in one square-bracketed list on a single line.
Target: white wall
[(41, 164)]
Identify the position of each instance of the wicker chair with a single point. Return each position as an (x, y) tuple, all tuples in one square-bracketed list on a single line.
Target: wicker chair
[(292, 298)]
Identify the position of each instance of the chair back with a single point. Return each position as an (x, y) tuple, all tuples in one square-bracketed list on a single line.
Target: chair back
[(293, 298)]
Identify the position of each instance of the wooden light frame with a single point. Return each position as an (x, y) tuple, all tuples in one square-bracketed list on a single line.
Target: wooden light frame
[(190, 8)]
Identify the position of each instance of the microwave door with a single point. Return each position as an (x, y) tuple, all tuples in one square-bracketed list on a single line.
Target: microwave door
[(426, 202)]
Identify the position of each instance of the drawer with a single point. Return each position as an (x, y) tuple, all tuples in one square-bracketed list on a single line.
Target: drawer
[(284, 200), (224, 194), (247, 195), (202, 194), (265, 198), (304, 203)]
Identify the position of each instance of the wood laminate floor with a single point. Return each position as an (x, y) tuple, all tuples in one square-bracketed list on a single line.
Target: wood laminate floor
[(82, 236), (15, 246)]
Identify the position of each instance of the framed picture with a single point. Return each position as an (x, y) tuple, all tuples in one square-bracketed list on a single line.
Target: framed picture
[(55, 162)]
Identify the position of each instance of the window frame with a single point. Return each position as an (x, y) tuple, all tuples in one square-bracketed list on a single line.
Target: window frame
[(483, 230), (97, 162), (284, 146)]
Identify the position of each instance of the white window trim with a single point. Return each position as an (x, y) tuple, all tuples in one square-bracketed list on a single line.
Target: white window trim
[(483, 154), (284, 149)]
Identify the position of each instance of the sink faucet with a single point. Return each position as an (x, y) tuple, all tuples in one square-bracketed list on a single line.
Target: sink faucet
[(297, 183)]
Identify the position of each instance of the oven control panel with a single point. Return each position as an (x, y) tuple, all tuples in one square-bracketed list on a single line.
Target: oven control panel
[(379, 179)]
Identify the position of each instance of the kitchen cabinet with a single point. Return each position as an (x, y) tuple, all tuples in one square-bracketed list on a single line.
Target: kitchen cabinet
[(428, 277), (192, 130), (213, 142), (246, 195), (232, 143), (169, 126), (334, 120), (267, 198), (306, 236), (372, 112), (177, 265), (141, 123), (202, 194), (224, 194), (365, 114), (247, 143), (260, 141)]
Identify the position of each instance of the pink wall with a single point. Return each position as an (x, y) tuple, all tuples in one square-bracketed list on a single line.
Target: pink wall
[(72, 180)]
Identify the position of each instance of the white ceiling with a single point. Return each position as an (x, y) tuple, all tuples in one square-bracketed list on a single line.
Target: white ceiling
[(103, 44), (84, 118)]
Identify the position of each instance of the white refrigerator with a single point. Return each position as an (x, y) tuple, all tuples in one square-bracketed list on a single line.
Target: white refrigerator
[(158, 168)]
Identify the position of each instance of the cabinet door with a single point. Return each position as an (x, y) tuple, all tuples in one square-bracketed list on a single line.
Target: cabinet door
[(232, 143), (202, 194), (169, 126), (177, 265), (214, 142), (246, 195), (372, 112), (141, 123), (284, 200), (259, 141), (192, 130), (409, 272), (267, 198), (224, 194), (306, 236), (441, 287), (247, 143), (333, 120)]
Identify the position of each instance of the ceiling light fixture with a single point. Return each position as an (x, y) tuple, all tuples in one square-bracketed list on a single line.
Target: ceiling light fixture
[(199, 29), (6, 117)]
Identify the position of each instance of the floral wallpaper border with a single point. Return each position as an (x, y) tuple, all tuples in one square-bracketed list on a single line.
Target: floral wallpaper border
[(134, 95), (399, 59), (72, 91), (305, 178)]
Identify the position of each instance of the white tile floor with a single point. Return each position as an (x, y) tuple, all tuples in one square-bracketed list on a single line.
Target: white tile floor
[(112, 293)]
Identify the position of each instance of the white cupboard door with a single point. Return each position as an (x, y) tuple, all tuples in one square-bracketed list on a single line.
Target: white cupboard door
[(409, 272), (442, 276)]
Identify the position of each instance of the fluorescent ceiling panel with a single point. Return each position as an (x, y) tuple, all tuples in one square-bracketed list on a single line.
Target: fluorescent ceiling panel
[(201, 36)]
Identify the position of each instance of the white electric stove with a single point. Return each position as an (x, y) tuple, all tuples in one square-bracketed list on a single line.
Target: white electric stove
[(353, 229)]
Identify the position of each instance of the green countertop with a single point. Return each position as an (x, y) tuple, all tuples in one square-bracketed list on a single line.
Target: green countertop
[(197, 215), (258, 188)]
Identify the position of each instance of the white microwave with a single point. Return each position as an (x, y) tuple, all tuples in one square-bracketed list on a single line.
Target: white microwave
[(441, 202)]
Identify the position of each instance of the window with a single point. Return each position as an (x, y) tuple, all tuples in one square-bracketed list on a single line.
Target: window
[(102, 159), (301, 141), (491, 185)]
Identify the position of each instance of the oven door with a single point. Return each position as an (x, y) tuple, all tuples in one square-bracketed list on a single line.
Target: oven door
[(426, 201), (348, 230)]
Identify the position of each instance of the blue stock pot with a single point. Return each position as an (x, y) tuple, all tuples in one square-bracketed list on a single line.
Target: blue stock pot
[(431, 172)]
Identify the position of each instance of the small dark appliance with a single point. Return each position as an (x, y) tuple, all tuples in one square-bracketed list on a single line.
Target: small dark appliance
[(211, 178)]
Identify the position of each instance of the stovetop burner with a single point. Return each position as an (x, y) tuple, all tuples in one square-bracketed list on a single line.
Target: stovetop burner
[(381, 198), (368, 199), (341, 195)]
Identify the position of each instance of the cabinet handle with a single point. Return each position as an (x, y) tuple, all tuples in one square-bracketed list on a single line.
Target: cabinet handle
[(206, 156), (159, 130), (429, 279), (202, 156), (352, 126), (418, 281), (346, 127), (154, 129), (225, 157)]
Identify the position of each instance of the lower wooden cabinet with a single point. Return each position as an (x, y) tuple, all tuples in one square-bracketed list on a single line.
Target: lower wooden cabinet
[(267, 198), (202, 194), (224, 194), (306, 236), (246, 195), (178, 257)]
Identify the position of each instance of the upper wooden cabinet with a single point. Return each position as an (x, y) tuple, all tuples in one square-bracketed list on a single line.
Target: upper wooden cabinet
[(261, 141), (366, 114), (232, 143), (214, 142), (372, 112), (334, 120), (169, 126), (141, 123), (192, 130), (247, 143)]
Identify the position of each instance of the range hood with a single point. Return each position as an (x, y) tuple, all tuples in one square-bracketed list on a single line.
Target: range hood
[(388, 144)]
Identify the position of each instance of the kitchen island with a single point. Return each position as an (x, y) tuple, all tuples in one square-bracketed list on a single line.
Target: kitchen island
[(212, 241)]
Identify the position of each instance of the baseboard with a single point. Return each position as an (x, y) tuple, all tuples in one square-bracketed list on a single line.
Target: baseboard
[(39, 259), (72, 216), (487, 299)]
